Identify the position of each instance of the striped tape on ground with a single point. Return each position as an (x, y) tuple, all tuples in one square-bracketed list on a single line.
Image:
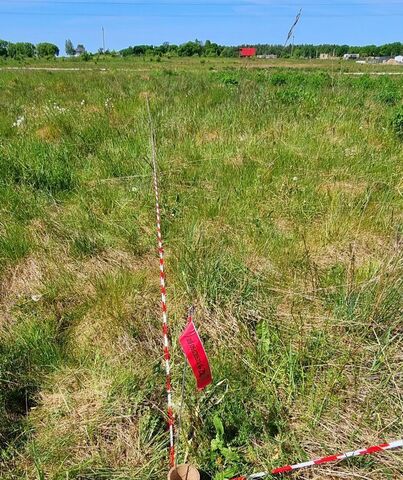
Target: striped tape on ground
[(323, 460), (164, 309)]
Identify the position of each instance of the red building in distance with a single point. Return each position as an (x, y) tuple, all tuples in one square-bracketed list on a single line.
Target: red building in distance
[(247, 52)]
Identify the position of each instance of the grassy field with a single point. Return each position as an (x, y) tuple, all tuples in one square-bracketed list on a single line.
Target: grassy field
[(154, 63), (281, 203)]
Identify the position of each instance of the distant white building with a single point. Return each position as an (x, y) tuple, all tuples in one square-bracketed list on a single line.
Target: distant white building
[(327, 56), (267, 56), (399, 59), (382, 59), (351, 56)]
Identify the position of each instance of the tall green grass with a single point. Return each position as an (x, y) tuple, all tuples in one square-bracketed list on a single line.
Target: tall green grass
[(280, 198)]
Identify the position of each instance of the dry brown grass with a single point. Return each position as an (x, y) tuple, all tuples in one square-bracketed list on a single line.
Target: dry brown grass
[(48, 133), (20, 284)]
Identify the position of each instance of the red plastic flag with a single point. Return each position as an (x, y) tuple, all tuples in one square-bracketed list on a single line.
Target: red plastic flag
[(196, 355)]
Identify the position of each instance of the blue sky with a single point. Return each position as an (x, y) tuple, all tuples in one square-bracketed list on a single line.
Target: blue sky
[(232, 22)]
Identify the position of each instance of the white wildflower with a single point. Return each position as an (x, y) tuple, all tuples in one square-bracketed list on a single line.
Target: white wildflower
[(19, 121), (108, 103), (58, 108), (295, 179)]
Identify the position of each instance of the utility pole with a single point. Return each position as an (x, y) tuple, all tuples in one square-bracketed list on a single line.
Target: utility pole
[(103, 40)]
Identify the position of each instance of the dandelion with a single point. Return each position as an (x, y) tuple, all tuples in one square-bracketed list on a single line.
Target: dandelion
[(82, 102), (19, 121)]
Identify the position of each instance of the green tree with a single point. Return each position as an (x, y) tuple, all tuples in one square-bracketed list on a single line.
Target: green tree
[(140, 49), (21, 50), (80, 50), (46, 49), (173, 50), (69, 48), (189, 49), (229, 52), (3, 48), (126, 52), (211, 49)]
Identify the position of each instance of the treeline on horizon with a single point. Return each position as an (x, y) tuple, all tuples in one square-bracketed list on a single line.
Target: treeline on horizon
[(21, 50), (27, 49), (211, 49)]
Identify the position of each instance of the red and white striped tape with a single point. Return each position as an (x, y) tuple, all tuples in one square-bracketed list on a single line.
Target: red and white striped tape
[(327, 459), (167, 355)]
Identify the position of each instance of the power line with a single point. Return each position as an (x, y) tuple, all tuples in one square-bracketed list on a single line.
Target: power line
[(190, 15), (209, 4)]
